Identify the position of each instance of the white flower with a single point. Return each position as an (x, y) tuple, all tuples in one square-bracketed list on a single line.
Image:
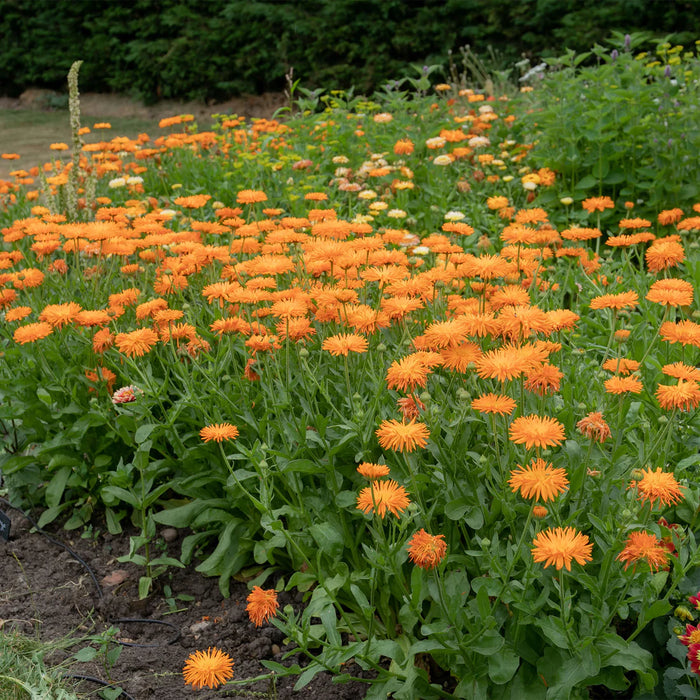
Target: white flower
[(341, 160), (478, 141), (442, 160), (168, 212), (454, 216), (134, 180), (396, 214), (117, 182), (367, 194), (529, 185), (421, 250), (435, 142)]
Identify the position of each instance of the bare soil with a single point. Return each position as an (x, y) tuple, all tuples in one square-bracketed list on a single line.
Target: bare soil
[(45, 592), (31, 122)]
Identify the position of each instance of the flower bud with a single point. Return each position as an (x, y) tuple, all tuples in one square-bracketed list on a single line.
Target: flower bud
[(303, 352), (682, 613)]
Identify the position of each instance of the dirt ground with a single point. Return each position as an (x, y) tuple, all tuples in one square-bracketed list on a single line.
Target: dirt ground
[(31, 122), (46, 592)]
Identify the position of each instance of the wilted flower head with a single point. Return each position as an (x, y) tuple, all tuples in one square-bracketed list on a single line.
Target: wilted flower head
[(126, 394)]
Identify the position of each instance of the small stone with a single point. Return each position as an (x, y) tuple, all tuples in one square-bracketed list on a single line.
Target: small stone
[(169, 534), (199, 627), (275, 649)]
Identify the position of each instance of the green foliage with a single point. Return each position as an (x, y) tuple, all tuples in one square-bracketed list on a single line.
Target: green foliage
[(211, 49), (621, 128), (277, 498)]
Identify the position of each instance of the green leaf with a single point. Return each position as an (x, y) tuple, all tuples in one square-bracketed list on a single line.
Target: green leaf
[(554, 630), (85, 654), (502, 666), (487, 644), (44, 396), (143, 431), (328, 538), (144, 586), (55, 487)]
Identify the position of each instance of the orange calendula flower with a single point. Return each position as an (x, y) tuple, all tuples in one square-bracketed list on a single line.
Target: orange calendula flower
[(559, 546), (371, 470), (644, 545), (536, 431), (624, 300), (410, 407), (623, 385), (251, 196), (402, 437), (32, 332), (659, 486), (262, 605), (136, 343), (671, 292), (102, 340), (343, 343), (597, 204), (383, 496), (426, 551), (664, 254), (679, 370), (59, 315), (494, 403), (219, 432), (594, 427), (195, 201), (621, 365), (683, 396), (208, 668), (538, 480)]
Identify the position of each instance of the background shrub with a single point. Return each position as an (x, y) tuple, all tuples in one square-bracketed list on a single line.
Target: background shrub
[(212, 49)]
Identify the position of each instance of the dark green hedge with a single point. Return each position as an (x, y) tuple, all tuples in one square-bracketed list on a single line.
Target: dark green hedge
[(211, 49)]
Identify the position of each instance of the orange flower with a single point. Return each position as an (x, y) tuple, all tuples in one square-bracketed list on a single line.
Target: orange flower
[(683, 396), (426, 551), (381, 496), (559, 546), (407, 373), (494, 403), (102, 340), (669, 216), (659, 486), (373, 471), (671, 292), (17, 313), (683, 332), (621, 365), (664, 254), (597, 204), (195, 201), (402, 437), (410, 407), (262, 605), (634, 223), (543, 378), (536, 431), (31, 332), (136, 343), (594, 427), (644, 545), (59, 315), (622, 385), (343, 343), (251, 196), (681, 371), (219, 432), (624, 300), (403, 147), (208, 668), (539, 480)]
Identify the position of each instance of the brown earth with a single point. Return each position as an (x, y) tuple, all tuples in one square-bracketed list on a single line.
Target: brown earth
[(46, 593), (31, 122)]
